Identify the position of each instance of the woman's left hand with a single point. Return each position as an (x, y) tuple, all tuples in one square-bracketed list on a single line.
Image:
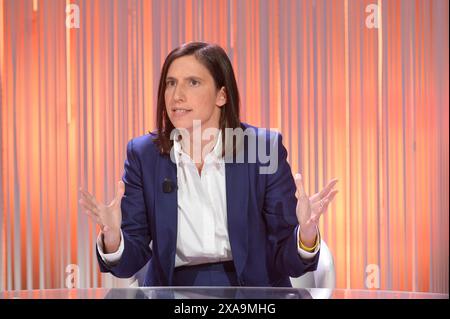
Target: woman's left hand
[(309, 209)]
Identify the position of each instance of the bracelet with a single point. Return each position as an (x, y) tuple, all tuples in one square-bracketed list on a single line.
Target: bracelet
[(309, 249)]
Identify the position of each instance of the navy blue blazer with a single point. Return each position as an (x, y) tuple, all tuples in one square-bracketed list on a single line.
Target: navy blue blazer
[(262, 221)]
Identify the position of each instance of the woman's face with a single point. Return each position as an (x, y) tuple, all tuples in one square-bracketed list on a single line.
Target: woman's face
[(191, 94)]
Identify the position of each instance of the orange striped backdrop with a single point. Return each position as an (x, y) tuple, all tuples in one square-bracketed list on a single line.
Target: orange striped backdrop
[(369, 106)]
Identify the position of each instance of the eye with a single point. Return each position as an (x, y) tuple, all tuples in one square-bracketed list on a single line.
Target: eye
[(193, 82), (170, 83)]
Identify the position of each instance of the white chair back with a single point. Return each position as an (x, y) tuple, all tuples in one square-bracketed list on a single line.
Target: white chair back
[(323, 277)]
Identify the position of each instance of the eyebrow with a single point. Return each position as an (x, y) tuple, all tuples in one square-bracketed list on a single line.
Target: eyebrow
[(197, 78)]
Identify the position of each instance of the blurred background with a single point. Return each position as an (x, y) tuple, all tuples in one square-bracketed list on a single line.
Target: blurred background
[(359, 89)]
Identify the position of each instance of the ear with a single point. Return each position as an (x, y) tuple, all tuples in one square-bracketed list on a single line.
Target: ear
[(221, 97)]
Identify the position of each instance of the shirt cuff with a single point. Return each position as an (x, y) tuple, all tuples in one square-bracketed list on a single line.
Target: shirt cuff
[(303, 253), (112, 258)]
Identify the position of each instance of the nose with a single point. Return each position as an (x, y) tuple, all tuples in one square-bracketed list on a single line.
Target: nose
[(178, 94)]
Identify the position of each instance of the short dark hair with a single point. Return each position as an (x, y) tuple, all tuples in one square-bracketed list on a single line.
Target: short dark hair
[(215, 59)]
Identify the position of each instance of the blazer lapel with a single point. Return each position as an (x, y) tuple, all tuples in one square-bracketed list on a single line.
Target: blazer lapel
[(237, 212), (166, 216)]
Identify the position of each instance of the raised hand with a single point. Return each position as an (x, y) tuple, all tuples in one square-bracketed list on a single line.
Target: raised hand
[(108, 217), (309, 209)]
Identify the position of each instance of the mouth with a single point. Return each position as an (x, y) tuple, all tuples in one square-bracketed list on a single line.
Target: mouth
[(180, 110)]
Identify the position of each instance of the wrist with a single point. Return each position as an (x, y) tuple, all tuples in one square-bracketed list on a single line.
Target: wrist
[(308, 243), (308, 237), (111, 241), (308, 232)]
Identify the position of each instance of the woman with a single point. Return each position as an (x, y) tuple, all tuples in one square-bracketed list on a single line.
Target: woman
[(190, 207)]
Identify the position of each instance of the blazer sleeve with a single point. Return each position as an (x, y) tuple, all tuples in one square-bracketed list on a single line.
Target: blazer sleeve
[(280, 215), (135, 228)]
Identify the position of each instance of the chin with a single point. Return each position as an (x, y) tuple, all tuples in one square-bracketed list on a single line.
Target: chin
[(182, 124)]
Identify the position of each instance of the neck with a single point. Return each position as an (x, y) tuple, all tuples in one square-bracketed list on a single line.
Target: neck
[(201, 142)]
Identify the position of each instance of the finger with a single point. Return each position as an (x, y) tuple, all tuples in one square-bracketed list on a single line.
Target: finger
[(325, 206), (299, 184), (91, 205), (324, 192), (331, 196), (87, 202), (315, 198), (94, 218), (319, 212), (316, 207), (88, 206), (120, 190), (89, 197)]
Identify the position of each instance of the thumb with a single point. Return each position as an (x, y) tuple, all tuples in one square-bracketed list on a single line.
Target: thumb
[(119, 193), (120, 190), (299, 184)]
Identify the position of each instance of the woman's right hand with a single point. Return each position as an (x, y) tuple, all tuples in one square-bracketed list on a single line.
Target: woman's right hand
[(108, 217)]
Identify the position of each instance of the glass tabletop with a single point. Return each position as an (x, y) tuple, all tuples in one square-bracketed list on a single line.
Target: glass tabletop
[(216, 293)]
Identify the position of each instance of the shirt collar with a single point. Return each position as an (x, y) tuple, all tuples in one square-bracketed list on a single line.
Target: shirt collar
[(215, 154)]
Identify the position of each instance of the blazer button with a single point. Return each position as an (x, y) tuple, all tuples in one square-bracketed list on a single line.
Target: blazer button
[(242, 282)]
